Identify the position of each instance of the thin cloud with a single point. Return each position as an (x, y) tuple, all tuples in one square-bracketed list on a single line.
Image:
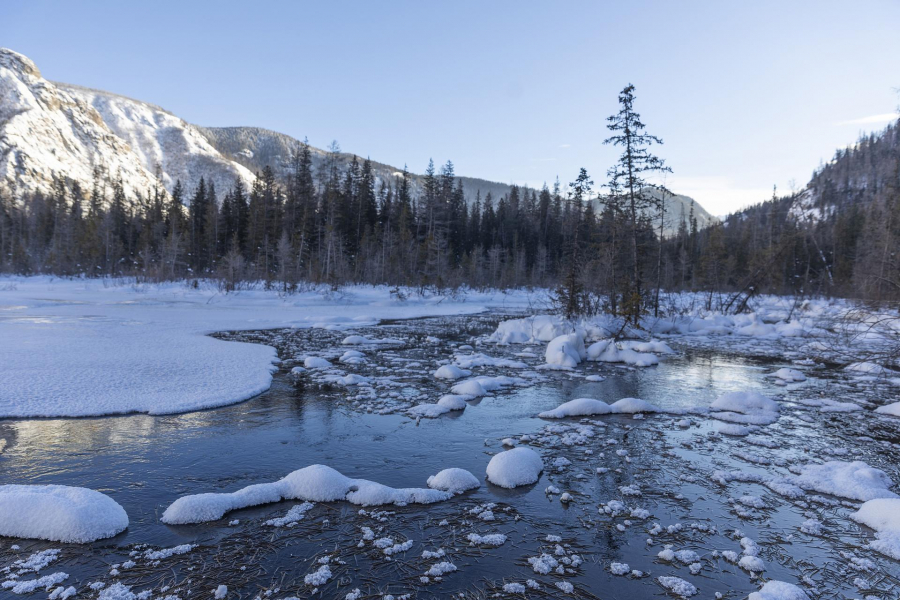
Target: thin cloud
[(565, 145), (871, 120)]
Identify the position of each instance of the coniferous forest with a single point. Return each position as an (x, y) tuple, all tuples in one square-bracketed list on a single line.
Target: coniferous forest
[(599, 241)]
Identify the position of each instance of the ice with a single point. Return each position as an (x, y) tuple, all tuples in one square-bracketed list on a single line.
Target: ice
[(59, 513), (84, 347), (577, 408), (566, 351), (453, 480), (778, 590), (315, 483), (514, 468)]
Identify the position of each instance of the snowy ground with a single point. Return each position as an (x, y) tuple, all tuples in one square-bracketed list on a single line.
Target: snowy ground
[(79, 348), (740, 465)]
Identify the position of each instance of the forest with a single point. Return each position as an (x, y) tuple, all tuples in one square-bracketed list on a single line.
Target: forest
[(601, 246)]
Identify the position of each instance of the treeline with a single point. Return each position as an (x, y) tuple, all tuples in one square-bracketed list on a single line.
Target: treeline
[(838, 237), (601, 248)]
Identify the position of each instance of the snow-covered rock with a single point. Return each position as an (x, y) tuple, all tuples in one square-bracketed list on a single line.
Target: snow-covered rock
[(514, 468), (578, 407), (453, 480), (59, 513), (451, 372), (566, 351)]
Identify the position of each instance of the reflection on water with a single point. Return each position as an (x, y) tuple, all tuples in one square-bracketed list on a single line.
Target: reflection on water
[(145, 462)]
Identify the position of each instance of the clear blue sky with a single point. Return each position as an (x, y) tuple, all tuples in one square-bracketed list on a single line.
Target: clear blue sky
[(744, 94)]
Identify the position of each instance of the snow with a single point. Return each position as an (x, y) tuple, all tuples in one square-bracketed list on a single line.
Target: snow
[(566, 351), (778, 590), (789, 375), (491, 539), (889, 409), (607, 351), (453, 480), (882, 515), (96, 347), (539, 328), (678, 586), (315, 483), (748, 408), (29, 586), (633, 406), (514, 468), (59, 513), (855, 480), (451, 372), (577, 408)]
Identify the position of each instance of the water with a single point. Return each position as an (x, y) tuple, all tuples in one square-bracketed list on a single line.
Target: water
[(145, 463)]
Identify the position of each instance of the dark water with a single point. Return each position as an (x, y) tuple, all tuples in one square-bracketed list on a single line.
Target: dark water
[(145, 463)]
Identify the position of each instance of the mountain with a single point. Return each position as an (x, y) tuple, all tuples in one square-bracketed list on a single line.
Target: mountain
[(49, 128)]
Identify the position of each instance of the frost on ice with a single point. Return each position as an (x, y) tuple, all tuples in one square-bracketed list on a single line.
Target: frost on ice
[(59, 513)]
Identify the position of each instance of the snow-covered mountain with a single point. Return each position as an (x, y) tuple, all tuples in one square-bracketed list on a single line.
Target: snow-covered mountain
[(49, 128)]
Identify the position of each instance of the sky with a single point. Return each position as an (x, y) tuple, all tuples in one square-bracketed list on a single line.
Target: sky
[(745, 95)]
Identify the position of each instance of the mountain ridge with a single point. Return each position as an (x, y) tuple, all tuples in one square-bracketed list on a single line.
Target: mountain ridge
[(52, 128)]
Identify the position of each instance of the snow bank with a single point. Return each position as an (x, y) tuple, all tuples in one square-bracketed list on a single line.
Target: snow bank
[(455, 481), (94, 347), (514, 468), (59, 513), (539, 328), (578, 407), (855, 480), (315, 483), (778, 590), (566, 351)]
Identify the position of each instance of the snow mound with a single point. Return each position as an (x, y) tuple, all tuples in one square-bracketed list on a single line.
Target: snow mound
[(882, 515), (578, 407), (315, 483), (778, 590), (539, 328), (59, 513), (789, 375), (514, 468), (566, 351), (453, 480), (451, 372), (889, 409), (855, 480), (633, 406), (678, 586)]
